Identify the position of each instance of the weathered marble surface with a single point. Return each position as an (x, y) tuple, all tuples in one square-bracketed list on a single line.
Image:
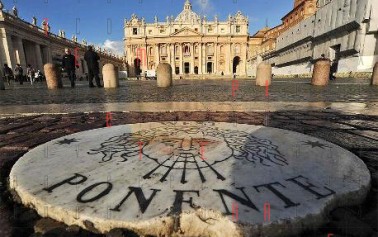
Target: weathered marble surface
[(143, 176)]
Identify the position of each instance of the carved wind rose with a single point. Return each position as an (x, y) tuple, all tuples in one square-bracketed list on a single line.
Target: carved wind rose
[(185, 148)]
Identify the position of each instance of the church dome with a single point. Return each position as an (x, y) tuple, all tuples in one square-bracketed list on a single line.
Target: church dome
[(187, 15)]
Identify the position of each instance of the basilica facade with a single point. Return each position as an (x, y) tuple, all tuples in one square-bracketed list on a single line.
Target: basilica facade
[(191, 44)]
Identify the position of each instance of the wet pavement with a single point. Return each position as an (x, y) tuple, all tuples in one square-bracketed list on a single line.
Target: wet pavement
[(283, 90), (344, 113)]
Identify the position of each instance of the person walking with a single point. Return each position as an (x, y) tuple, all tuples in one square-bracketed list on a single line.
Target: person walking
[(19, 74), (8, 74), (30, 73), (92, 58), (68, 65)]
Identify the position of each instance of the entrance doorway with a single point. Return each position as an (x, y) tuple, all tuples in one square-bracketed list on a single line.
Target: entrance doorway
[(209, 67), (195, 70), (235, 64), (335, 57), (137, 66), (186, 68)]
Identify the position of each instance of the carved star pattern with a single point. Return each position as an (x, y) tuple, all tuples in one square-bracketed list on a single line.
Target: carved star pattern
[(315, 144), (67, 141)]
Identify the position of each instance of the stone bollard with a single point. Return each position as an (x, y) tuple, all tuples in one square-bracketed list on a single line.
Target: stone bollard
[(374, 77), (164, 75), (53, 76), (110, 76), (320, 75), (264, 74)]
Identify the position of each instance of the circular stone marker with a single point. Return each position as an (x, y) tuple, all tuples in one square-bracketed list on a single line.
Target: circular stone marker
[(190, 179)]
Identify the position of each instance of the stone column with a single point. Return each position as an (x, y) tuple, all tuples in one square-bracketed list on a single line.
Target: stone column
[(53, 76), (49, 55), (204, 69), (110, 76), (374, 77), (173, 56), (157, 55), (192, 62), (264, 74), (181, 60), (164, 75), (320, 75), (228, 59), (244, 65), (200, 71), (216, 58), (10, 57), (39, 56), (20, 52)]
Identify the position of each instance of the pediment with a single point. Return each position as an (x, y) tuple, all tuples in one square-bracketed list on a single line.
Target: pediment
[(186, 32)]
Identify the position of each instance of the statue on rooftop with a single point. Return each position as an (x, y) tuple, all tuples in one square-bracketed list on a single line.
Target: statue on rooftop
[(34, 21), (15, 11)]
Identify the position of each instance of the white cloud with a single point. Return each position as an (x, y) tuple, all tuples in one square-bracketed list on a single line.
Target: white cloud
[(206, 7), (116, 47)]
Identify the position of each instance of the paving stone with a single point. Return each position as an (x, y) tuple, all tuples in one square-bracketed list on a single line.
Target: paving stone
[(8, 127), (46, 225), (367, 133), (327, 124), (348, 224), (6, 227), (362, 123), (344, 139), (371, 218)]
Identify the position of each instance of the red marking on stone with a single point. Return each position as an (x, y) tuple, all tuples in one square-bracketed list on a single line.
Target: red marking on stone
[(266, 88), (140, 143), (329, 235), (108, 119), (267, 211), (141, 55), (202, 149), (234, 87), (235, 211)]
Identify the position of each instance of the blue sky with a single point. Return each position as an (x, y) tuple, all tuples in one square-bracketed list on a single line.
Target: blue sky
[(101, 21)]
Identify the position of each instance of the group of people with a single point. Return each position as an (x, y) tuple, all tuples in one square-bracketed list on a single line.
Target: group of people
[(69, 66), (18, 75)]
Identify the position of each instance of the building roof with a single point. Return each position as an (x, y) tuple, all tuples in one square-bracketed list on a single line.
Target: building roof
[(187, 15)]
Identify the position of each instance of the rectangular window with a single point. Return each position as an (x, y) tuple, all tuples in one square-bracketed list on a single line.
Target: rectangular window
[(237, 29), (222, 30), (162, 31), (150, 32), (196, 29), (135, 31), (210, 30), (176, 30)]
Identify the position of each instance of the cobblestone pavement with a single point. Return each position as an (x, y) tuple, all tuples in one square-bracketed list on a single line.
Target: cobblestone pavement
[(343, 90), (357, 133)]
